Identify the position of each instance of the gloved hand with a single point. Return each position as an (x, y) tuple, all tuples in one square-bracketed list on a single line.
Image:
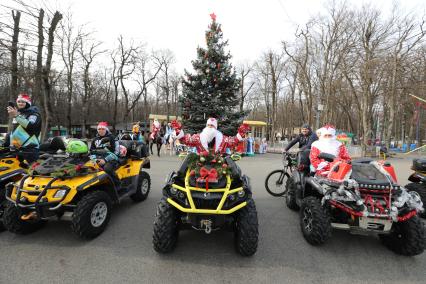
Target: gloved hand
[(322, 165)]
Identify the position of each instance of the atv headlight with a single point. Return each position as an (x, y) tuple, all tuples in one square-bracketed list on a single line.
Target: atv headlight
[(241, 193), (60, 193), (173, 190)]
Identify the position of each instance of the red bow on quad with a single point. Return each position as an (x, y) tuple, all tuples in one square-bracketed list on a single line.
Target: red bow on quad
[(208, 175)]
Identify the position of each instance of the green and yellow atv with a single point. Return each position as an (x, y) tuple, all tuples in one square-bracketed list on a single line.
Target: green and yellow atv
[(208, 193), (72, 186)]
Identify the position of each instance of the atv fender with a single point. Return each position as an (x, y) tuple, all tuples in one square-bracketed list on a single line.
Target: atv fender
[(146, 163), (12, 174), (414, 177), (313, 185), (107, 185)]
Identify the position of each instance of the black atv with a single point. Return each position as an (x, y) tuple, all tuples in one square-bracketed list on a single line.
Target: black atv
[(191, 203), (418, 180)]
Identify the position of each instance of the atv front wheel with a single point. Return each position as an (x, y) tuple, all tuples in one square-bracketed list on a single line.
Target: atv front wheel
[(420, 188), (407, 238), (143, 187), (247, 229), (314, 221), (92, 214), (290, 198), (13, 223), (166, 231)]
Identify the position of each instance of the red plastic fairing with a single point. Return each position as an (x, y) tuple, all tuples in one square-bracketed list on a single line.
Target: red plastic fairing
[(340, 171), (391, 171)]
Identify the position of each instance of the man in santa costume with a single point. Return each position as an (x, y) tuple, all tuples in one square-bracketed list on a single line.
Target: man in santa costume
[(210, 137), (327, 143)]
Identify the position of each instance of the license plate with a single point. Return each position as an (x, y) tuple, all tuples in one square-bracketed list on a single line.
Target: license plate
[(375, 224)]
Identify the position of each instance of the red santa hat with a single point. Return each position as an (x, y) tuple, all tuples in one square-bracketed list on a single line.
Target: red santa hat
[(328, 129), (212, 121), (24, 97), (103, 125)]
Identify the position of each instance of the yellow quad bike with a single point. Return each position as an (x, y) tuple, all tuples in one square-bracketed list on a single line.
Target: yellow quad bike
[(13, 167), (11, 170), (191, 202), (73, 187)]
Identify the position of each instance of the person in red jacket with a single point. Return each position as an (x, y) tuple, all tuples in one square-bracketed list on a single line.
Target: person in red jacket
[(210, 137), (327, 143)]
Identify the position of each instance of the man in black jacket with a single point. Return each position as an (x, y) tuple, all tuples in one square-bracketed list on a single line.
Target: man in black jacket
[(305, 139), (25, 135)]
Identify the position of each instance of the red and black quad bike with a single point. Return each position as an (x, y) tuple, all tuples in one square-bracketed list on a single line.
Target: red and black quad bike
[(196, 200), (418, 180), (362, 197)]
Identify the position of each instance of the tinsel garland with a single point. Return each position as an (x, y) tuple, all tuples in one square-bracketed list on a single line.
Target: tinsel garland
[(210, 159)]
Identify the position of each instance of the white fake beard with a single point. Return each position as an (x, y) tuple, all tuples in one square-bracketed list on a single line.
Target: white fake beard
[(210, 133), (329, 145)]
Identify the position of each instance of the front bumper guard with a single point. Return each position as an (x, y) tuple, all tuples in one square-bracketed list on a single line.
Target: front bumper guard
[(39, 203)]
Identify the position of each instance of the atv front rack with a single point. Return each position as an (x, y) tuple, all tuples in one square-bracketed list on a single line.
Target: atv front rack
[(41, 195), (186, 193)]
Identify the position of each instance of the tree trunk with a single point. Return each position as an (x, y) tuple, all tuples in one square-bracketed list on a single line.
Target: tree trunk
[(14, 61), (46, 72)]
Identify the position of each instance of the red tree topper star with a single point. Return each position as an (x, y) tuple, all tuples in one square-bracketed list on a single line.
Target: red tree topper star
[(213, 16)]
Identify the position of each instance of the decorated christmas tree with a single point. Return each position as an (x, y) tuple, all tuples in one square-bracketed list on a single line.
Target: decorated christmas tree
[(212, 90)]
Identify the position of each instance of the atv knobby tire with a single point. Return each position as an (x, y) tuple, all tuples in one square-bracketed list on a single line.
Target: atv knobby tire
[(420, 188), (2, 208), (290, 198), (407, 238), (91, 215), (143, 187), (314, 221), (3, 203), (247, 229), (166, 230), (13, 223)]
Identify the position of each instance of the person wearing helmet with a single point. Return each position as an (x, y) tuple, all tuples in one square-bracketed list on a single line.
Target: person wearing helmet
[(104, 140), (305, 139), (25, 136)]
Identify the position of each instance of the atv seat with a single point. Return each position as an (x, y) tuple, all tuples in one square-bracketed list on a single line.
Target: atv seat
[(53, 146), (135, 149), (362, 160)]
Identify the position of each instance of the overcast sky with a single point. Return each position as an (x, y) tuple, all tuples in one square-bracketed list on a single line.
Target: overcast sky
[(179, 25)]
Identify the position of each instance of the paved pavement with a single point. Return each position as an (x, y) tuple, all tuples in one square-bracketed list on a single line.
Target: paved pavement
[(123, 253)]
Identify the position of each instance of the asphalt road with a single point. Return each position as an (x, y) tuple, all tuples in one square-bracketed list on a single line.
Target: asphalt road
[(124, 253)]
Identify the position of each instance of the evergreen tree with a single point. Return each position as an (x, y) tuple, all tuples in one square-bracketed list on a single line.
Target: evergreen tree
[(212, 90)]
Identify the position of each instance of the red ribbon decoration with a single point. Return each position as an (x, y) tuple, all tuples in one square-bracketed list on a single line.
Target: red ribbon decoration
[(208, 175)]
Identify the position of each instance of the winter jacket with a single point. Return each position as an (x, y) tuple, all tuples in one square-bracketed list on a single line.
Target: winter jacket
[(26, 129), (305, 141), (106, 142)]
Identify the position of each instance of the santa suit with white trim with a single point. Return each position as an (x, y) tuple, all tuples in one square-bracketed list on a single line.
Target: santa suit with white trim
[(210, 137), (327, 143)]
